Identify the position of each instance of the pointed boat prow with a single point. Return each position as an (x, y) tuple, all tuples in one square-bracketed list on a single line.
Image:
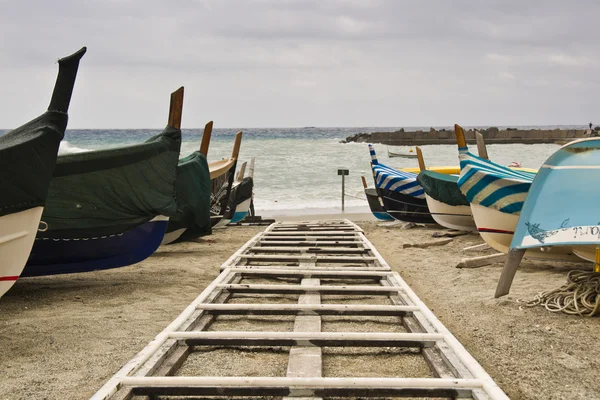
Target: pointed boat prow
[(460, 136), (364, 181), (481, 147), (206, 138), (241, 172), (176, 108), (236, 146), (420, 159), (65, 81)]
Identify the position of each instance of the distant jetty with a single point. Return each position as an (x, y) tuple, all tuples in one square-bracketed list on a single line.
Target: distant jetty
[(492, 135)]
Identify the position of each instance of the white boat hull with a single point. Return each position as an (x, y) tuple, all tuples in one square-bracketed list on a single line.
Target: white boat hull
[(497, 229), (17, 234), (170, 237), (452, 217)]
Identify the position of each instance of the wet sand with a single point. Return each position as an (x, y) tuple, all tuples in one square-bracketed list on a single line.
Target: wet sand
[(62, 337)]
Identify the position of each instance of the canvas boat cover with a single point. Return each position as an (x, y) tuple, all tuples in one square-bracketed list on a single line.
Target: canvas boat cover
[(193, 198), (106, 192), (27, 160), (442, 187), (561, 207), (492, 185), (394, 180)]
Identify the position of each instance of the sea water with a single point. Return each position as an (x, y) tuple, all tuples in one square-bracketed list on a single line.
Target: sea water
[(296, 168)]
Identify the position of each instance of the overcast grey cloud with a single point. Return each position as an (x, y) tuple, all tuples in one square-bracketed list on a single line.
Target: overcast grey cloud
[(281, 63)]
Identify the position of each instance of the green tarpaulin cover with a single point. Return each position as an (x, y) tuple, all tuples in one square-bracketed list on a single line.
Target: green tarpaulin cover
[(108, 191), (193, 198), (442, 187), (27, 160)]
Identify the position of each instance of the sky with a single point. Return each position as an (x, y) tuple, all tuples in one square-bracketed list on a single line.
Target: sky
[(295, 63)]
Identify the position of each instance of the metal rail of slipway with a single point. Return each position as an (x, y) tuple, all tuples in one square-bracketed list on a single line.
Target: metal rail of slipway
[(308, 252)]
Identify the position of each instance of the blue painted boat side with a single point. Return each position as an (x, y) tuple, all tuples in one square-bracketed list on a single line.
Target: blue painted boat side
[(562, 206), (60, 256), (238, 216), (383, 216)]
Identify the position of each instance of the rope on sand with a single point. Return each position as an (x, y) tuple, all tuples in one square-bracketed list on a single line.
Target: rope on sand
[(579, 296)]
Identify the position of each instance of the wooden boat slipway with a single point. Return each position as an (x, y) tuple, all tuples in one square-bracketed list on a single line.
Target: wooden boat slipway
[(403, 197), (28, 157), (109, 208), (496, 194), (561, 210)]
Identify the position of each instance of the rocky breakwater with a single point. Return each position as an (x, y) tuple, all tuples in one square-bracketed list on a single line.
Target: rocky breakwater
[(492, 135)]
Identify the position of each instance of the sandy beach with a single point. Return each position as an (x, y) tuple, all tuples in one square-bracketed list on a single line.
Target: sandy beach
[(62, 337)]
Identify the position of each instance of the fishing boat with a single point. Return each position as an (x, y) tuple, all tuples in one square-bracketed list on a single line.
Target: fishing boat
[(448, 206), (109, 208), (375, 203), (402, 196), (239, 204), (560, 211), (192, 189), (222, 174), (27, 161), (496, 195), (402, 155)]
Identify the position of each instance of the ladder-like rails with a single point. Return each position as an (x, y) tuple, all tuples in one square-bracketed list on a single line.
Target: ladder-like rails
[(309, 252)]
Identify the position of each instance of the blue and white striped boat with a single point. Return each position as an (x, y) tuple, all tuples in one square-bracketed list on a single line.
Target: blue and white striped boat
[(403, 197), (496, 195), (561, 211)]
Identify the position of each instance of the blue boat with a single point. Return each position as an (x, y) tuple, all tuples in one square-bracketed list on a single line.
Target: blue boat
[(109, 208), (402, 196), (561, 212)]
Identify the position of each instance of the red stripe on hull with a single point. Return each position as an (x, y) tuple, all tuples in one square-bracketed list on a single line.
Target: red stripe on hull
[(489, 230), (9, 278)]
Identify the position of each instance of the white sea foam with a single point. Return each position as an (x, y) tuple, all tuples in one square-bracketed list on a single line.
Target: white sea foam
[(68, 148)]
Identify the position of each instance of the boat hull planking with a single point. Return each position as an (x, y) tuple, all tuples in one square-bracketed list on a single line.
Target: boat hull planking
[(451, 217), (64, 256)]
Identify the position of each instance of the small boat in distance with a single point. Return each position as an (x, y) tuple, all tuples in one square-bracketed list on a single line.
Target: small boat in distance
[(403, 155), (448, 206), (560, 211), (109, 208), (375, 204), (403, 197), (27, 160)]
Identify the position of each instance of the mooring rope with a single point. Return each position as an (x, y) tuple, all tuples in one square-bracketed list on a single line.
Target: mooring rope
[(579, 296)]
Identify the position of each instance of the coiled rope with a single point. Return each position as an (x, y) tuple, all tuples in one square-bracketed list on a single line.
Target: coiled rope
[(579, 296)]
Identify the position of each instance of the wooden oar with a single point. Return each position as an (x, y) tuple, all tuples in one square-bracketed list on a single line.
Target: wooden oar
[(206, 138), (176, 108), (420, 159), (481, 148)]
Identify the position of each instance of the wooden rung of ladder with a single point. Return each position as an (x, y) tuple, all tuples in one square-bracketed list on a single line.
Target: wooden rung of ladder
[(296, 289), (314, 339), (314, 233), (310, 273), (353, 243), (268, 249), (302, 387), (306, 309), (305, 238), (308, 258)]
